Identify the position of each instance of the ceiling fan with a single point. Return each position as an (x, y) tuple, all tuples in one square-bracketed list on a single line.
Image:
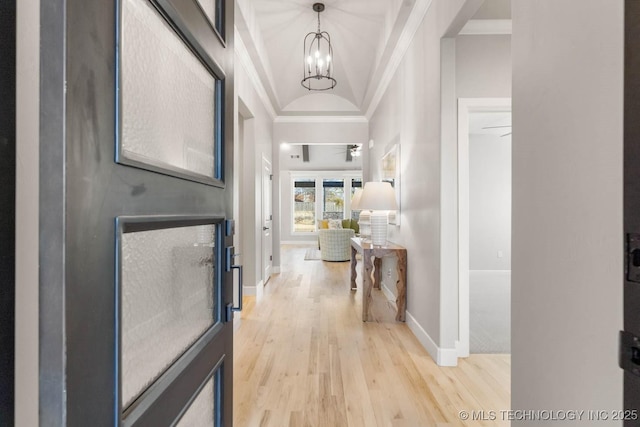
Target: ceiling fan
[(352, 150), (498, 127)]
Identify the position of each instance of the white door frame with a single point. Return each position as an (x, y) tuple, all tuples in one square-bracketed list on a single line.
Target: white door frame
[(266, 215), (465, 107)]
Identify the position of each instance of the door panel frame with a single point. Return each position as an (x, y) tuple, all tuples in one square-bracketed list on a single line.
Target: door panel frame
[(631, 288), (83, 190), (195, 42), (159, 401)]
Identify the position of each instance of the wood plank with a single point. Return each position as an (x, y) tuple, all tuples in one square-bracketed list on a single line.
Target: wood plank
[(303, 357)]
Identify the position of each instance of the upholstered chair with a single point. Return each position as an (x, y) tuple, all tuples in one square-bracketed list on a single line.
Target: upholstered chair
[(335, 245)]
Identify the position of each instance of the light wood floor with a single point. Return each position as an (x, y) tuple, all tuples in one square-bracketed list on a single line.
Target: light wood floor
[(303, 357)]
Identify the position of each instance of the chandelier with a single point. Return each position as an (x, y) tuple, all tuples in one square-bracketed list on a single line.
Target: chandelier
[(318, 58)]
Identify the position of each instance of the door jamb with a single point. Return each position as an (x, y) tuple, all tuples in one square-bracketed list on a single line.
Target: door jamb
[(465, 107)]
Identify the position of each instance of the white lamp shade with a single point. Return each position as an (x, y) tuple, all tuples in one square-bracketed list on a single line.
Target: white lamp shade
[(355, 201), (378, 196)]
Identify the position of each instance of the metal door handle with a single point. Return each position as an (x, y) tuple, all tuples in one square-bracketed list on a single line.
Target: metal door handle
[(265, 228), (231, 307), (230, 266), (239, 307)]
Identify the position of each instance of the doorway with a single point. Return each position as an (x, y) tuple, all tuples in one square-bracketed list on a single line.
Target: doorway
[(490, 278)]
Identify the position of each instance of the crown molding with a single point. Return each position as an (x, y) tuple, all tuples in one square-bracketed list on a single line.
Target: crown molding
[(414, 20), (321, 119), (486, 27), (245, 59)]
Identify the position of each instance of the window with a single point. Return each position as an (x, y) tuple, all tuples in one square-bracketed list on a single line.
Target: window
[(304, 205), (333, 200), (355, 183), (322, 195)]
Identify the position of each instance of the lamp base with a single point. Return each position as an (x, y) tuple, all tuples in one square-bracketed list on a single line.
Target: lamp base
[(379, 221), (365, 224)]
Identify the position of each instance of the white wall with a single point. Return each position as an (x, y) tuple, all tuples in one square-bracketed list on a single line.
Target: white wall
[(409, 113), (257, 142), (321, 130), (567, 204), (489, 202), (321, 157), (483, 66), (27, 212)]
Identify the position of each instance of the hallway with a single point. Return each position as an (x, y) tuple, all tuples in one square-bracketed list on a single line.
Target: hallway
[(303, 357)]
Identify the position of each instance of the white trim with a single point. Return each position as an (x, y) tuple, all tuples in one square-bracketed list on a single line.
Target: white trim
[(465, 107), (256, 290), (321, 119), (237, 320), (275, 270), (442, 356), (486, 27), (248, 65), (259, 291), (414, 21)]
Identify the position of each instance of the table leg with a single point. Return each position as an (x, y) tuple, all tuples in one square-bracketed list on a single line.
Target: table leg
[(367, 267), (401, 286), (354, 274), (377, 273)]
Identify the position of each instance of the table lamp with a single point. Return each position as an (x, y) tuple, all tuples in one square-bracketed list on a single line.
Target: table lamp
[(380, 198), (364, 220)]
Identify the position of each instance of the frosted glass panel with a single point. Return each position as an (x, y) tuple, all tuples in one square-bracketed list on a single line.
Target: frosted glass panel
[(209, 7), (167, 94), (168, 300), (202, 411)]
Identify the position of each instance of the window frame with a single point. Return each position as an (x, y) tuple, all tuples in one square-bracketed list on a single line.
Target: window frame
[(319, 176)]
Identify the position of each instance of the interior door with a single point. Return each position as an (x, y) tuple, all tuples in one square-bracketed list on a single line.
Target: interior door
[(136, 194), (630, 337), (267, 221)]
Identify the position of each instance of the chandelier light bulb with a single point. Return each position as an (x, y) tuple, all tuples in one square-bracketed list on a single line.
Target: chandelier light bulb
[(309, 60), (317, 54), (328, 58)]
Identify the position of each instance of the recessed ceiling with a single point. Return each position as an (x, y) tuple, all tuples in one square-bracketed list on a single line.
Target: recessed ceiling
[(365, 34), (359, 30)]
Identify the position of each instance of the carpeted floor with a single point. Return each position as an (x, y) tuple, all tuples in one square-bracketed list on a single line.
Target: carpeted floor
[(312, 255), (490, 312)]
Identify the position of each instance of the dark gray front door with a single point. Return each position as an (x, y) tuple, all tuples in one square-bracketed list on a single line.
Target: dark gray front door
[(630, 337), (136, 163)]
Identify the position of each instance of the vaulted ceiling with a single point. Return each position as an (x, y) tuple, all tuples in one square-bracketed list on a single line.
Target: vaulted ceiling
[(365, 35), (357, 31)]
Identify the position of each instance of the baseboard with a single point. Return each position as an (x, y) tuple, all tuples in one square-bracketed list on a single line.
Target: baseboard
[(237, 319), (442, 356), (275, 270), (461, 350), (259, 291)]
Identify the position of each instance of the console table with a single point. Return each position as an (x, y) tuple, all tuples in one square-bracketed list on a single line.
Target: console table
[(369, 251)]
